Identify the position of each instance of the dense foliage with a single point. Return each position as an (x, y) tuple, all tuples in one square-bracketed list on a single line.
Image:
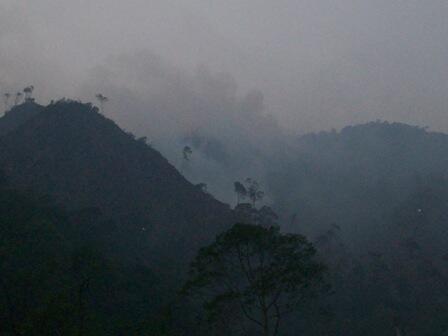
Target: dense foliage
[(56, 278), (254, 276), (106, 252)]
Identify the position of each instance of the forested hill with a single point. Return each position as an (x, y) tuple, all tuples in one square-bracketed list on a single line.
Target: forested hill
[(79, 158), (380, 147), (19, 115), (105, 251), (356, 177)]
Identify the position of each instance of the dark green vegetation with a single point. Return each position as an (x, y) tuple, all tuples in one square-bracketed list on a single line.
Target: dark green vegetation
[(251, 277), (374, 198), (119, 224), (97, 230), (56, 278), (83, 160), (356, 177)]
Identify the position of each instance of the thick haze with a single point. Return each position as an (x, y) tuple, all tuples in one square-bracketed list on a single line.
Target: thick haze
[(319, 63)]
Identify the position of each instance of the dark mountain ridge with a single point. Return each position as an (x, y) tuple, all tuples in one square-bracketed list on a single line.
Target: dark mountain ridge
[(75, 155), (356, 177), (18, 115), (133, 222)]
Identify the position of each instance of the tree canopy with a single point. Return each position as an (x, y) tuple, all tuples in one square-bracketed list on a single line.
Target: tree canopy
[(257, 273)]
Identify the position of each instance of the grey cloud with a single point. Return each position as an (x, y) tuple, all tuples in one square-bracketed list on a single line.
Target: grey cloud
[(319, 64)]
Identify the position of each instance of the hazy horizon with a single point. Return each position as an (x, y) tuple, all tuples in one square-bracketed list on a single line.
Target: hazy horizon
[(246, 167), (318, 64)]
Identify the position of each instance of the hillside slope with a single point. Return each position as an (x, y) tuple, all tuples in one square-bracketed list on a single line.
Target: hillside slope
[(81, 159), (18, 115), (356, 177)]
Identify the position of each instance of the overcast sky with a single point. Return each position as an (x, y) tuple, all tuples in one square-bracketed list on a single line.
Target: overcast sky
[(319, 63)]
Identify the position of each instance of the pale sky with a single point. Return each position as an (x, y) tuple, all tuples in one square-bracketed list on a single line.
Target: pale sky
[(319, 63)]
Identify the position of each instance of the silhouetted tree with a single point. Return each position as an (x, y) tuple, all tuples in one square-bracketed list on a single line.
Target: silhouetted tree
[(28, 91), (256, 273), (253, 191), (186, 152), (18, 98), (240, 190), (102, 100)]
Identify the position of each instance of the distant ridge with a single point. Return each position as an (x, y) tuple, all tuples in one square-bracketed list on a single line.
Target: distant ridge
[(357, 176)]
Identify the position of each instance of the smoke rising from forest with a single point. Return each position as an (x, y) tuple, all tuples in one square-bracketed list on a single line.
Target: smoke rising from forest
[(319, 64), (283, 131)]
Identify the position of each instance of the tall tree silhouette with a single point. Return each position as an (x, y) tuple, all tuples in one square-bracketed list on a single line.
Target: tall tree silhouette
[(102, 100), (28, 91), (255, 274), (253, 191), (18, 98), (240, 190), (186, 152)]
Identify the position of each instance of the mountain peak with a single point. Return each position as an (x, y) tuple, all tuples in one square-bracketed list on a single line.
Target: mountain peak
[(18, 115), (82, 159)]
